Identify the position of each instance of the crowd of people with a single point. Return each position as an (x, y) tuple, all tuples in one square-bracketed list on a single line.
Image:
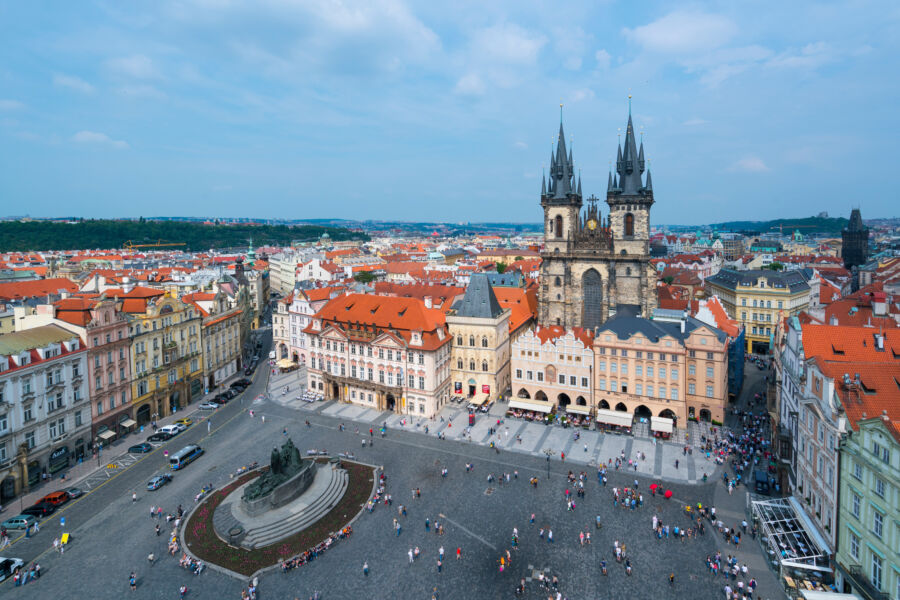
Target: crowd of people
[(307, 556)]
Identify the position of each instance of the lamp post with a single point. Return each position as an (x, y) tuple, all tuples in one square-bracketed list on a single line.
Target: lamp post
[(548, 452)]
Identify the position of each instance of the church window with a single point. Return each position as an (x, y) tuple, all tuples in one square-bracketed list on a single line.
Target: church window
[(472, 365), (559, 226), (484, 342), (558, 281), (459, 363), (629, 225), (459, 340), (471, 340), (627, 271), (484, 365)]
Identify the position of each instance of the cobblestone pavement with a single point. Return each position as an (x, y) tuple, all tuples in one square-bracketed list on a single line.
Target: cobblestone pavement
[(117, 535)]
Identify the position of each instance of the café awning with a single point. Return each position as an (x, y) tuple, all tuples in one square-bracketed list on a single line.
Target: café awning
[(285, 363), (661, 424), (528, 404), (106, 435), (578, 409), (129, 423), (614, 417), (478, 399)]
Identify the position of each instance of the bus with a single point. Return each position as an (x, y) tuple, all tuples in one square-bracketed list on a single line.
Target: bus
[(185, 456)]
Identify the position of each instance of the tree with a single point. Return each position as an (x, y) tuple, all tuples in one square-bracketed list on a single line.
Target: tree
[(518, 258), (776, 266), (668, 279), (501, 267), (364, 277)]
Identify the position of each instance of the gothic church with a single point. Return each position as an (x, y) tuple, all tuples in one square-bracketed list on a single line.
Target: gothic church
[(593, 266)]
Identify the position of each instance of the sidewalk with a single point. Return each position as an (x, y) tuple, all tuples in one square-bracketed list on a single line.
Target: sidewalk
[(80, 471)]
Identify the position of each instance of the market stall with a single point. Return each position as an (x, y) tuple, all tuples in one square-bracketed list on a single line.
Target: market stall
[(526, 408), (662, 427), (614, 421)]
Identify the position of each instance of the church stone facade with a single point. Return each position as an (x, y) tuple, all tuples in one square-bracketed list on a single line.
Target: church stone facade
[(592, 266)]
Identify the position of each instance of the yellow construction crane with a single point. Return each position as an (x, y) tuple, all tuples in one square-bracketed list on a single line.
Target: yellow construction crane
[(129, 245)]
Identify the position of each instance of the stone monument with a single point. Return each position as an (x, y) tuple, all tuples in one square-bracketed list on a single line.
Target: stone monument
[(288, 476)]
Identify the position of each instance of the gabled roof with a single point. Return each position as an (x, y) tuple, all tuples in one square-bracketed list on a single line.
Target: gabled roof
[(22, 290), (843, 344)]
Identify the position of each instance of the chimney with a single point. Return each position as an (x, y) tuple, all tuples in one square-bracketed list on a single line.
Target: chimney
[(879, 341), (428, 302), (682, 325), (126, 285)]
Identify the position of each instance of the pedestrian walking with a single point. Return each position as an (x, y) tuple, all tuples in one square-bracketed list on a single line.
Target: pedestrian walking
[(152, 511), (157, 530), (366, 569), (458, 553), (671, 579), (182, 591), (133, 497), (132, 581)]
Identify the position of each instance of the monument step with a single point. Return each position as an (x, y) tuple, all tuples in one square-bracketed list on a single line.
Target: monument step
[(317, 508)]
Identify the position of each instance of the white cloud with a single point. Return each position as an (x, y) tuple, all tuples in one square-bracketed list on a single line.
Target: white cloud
[(749, 164), (603, 59), (137, 66), (73, 83), (470, 85), (809, 56), (683, 32), (10, 104), (582, 94), (521, 145), (140, 91), (92, 137), (508, 44)]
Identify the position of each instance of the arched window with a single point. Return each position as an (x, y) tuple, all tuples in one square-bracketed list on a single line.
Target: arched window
[(472, 364), (627, 271), (471, 340), (459, 364), (557, 281), (484, 342), (459, 341), (629, 225), (484, 366), (550, 227), (559, 226)]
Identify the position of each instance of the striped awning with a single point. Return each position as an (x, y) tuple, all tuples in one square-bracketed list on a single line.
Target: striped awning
[(106, 435), (528, 404)]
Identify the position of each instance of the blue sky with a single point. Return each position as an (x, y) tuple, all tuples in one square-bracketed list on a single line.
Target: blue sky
[(387, 109)]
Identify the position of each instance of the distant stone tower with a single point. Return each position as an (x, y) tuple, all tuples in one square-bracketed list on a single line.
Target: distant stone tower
[(855, 241)]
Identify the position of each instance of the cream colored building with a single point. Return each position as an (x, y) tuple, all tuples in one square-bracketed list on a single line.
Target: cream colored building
[(480, 359), (552, 368)]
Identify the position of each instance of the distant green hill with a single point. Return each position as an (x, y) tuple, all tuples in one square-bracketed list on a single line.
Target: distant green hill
[(45, 235), (806, 226)]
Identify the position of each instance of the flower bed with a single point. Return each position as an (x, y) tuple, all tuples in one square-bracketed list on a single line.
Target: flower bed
[(201, 538)]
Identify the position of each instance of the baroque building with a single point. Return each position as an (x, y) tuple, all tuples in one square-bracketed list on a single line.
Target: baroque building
[(591, 265)]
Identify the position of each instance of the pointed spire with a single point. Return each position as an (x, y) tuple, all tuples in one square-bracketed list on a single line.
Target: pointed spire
[(631, 166), (649, 186), (641, 156), (579, 184), (609, 184), (543, 185)]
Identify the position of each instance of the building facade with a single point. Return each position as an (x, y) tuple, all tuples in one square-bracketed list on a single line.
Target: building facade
[(758, 298), (381, 352), (855, 241), (675, 371), (555, 367), (44, 414), (590, 266), (479, 328)]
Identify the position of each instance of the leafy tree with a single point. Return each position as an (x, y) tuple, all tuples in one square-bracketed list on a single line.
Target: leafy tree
[(501, 267), (668, 279), (364, 277), (518, 258), (776, 266)]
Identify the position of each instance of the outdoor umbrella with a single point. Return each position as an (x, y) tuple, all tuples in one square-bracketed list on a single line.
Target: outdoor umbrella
[(668, 494)]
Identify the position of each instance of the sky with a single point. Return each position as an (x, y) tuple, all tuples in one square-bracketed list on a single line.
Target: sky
[(444, 111)]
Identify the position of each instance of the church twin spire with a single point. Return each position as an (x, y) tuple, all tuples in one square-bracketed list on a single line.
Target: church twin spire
[(630, 166), (563, 181)]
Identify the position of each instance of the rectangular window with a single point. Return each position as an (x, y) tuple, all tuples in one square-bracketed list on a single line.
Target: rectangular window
[(876, 570), (562, 379), (518, 373), (878, 524), (353, 371), (624, 352), (540, 375), (674, 373), (78, 418), (854, 545), (421, 383), (639, 389), (29, 440), (573, 380), (673, 393), (857, 471), (380, 376), (855, 504), (529, 375), (650, 391), (692, 389), (613, 386), (649, 371), (692, 369), (709, 391), (371, 375), (639, 370), (603, 385), (390, 379), (662, 372), (100, 407), (613, 367), (601, 366), (710, 373), (584, 382), (879, 487)]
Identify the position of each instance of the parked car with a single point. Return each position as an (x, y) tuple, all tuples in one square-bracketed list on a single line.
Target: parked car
[(248, 371), (172, 430), (161, 436), (238, 385), (74, 493), (185, 422), (229, 394), (245, 381), (220, 400), (158, 481), (208, 406), (761, 481), (41, 509), (8, 566), (22, 521), (140, 448), (56, 498)]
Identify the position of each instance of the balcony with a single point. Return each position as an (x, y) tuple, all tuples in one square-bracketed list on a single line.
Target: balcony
[(862, 585)]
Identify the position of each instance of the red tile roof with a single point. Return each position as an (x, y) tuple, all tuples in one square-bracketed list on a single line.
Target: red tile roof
[(22, 290)]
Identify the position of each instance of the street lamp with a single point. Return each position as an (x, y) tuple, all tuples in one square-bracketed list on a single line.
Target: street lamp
[(548, 452)]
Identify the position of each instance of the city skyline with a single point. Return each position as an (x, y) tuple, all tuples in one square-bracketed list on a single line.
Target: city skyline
[(404, 111)]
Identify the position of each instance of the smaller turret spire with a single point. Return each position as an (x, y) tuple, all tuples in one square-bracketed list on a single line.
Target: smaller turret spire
[(649, 186), (609, 184), (543, 183)]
